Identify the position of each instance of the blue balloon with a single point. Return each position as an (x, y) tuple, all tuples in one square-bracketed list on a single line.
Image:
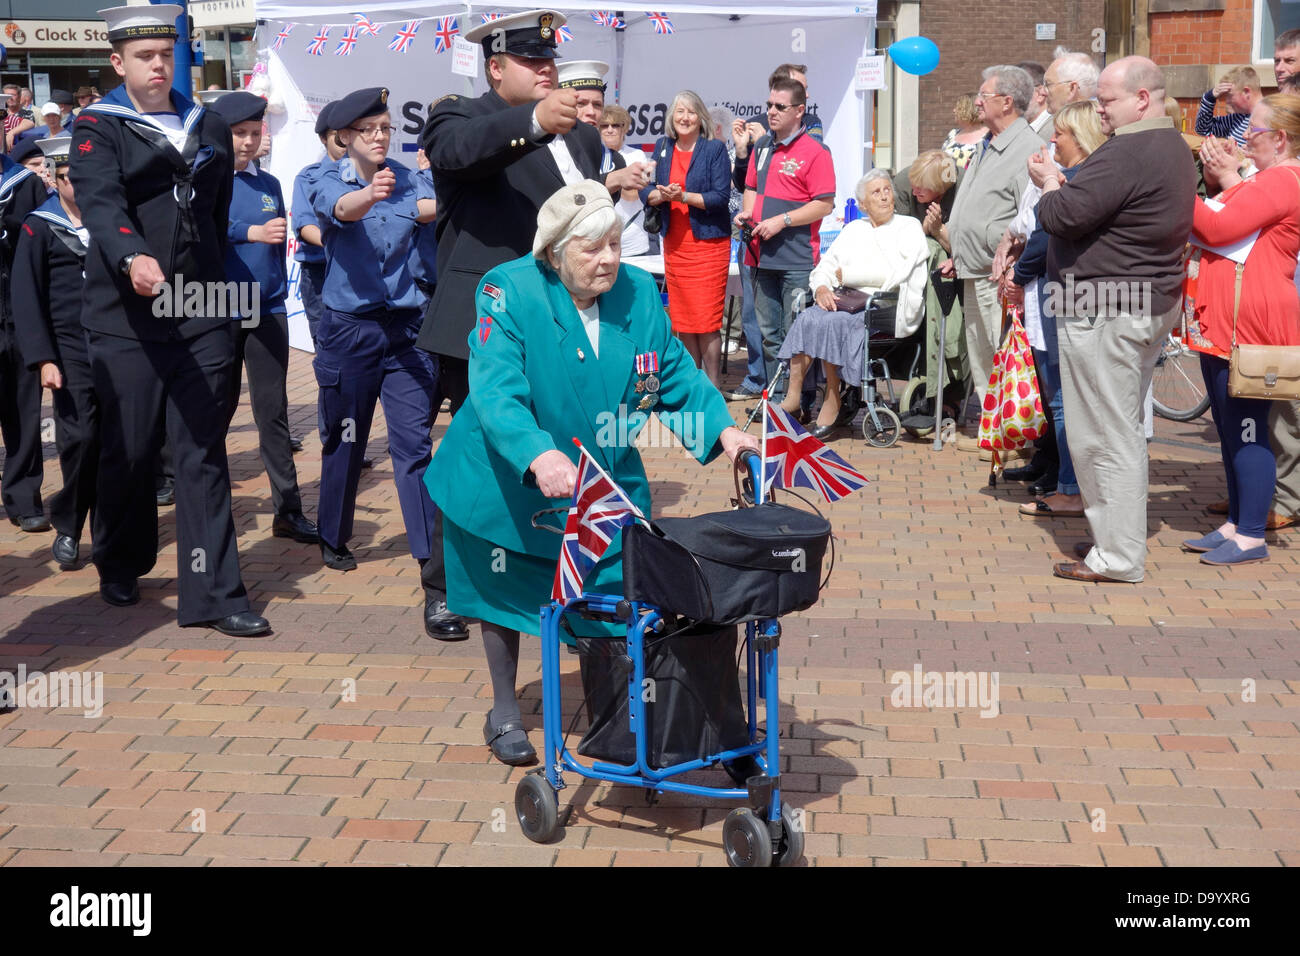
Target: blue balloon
[(915, 55)]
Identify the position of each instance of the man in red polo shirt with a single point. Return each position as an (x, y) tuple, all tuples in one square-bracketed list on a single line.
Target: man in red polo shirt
[(789, 189)]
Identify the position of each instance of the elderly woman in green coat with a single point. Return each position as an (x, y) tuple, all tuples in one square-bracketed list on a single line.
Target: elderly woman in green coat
[(566, 342)]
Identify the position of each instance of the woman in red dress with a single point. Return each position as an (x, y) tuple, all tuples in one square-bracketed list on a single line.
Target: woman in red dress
[(693, 183)]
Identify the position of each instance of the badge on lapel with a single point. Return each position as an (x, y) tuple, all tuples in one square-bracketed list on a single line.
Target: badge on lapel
[(484, 328)]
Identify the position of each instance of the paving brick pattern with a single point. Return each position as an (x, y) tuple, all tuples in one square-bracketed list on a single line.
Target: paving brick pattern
[(1143, 724)]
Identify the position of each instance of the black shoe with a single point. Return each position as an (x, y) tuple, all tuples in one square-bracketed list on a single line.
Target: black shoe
[(441, 624), (1043, 486), (1030, 472), (823, 432), (166, 494), (67, 552), (367, 463), (340, 560), (120, 593), (294, 525), (740, 395), (243, 624), (33, 523), (515, 754), (742, 768), (295, 445)]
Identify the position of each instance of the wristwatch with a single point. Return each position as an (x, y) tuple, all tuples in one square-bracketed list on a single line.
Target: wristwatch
[(126, 263), (787, 220)]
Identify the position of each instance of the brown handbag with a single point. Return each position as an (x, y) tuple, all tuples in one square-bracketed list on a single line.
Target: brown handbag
[(1261, 371)]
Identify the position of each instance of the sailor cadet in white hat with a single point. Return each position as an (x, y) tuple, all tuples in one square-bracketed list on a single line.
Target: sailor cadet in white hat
[(586, 79)]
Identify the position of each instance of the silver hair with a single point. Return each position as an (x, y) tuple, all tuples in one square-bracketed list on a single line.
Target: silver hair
[(1013, 82), (1078, 68), (860, 190), (591, 228), (723, 117)]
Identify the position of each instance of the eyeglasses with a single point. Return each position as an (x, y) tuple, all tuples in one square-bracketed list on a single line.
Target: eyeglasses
[(61, 177), (984, 96), (373, 132), (781, 107), (1051, 83), (1256, 130), (611, 126)]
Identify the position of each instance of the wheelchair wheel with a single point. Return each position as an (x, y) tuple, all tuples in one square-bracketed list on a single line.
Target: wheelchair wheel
[(880, 426), (1178, 390), (745, 839), (538, 808), (789, 850), (913, 393)]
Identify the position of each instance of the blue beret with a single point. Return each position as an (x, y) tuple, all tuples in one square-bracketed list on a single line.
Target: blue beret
[(325, 118), (239, 106), (359, 104), (25, 151)]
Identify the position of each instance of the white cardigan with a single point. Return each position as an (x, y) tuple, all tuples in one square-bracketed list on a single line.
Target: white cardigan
[(880, 259)]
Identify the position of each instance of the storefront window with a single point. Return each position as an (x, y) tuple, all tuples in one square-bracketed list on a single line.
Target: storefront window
[(1273, 18)]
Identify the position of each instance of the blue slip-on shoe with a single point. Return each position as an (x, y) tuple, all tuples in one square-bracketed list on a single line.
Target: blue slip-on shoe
[(1207, 543), (1230, 553)]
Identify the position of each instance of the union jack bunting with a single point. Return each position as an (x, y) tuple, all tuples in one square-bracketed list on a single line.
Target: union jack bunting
[(444, 31), (282, 36), (402, 41), (366, 25), (793, 457), (606, 19), (489, 17), (563, 35), (599, 511), (347, 43), (662, 24), (317, 45)]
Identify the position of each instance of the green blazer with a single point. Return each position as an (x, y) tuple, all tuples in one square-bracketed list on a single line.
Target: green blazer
[(535, 384)]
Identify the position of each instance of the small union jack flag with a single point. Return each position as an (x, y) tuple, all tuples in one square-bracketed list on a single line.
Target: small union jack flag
[(317, 45), (366, 25), (793, 457), (602, 17), (405, 37), (445, 30), (347, 43), (599, 510), (663, 25), (489, 17), (282, 36)]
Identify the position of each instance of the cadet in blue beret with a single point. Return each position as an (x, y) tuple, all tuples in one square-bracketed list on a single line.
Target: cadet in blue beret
[(369, 208), (256, 256), (309, 251)]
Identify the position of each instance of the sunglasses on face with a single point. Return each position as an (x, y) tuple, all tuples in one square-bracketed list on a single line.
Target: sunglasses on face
[(779, 107)]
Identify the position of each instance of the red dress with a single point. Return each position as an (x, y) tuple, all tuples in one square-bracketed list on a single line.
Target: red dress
[(695, 270), (1269, 313)]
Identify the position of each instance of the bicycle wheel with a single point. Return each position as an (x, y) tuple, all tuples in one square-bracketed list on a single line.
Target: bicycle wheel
[(1177, 388)]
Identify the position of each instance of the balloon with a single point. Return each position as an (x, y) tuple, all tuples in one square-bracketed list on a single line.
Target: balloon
[(915, 55)]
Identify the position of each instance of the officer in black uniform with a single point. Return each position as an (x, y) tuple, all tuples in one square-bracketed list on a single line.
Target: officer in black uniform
[(21, 191), (48, 277), (153, 173), (496, 159)]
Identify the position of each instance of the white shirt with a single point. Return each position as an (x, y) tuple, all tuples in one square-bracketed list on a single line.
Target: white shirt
[(559, 152), (591, 324), (636, 242), (173, 127), (880, 258)]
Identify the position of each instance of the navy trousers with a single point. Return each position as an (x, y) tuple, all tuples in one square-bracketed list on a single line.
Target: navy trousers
[(1247, 452), (361, 359)]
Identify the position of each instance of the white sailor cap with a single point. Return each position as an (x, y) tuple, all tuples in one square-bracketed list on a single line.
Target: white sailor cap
[(583, 75), (528, 34), (55, 149), (145, 22)]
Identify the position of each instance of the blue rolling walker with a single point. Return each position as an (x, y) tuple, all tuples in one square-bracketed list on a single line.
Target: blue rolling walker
[(762, 833)]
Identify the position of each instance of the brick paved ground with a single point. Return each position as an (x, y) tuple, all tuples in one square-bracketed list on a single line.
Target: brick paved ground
[(1120, 705)]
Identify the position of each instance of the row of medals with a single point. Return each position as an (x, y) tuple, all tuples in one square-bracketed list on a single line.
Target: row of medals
[(648, 385)]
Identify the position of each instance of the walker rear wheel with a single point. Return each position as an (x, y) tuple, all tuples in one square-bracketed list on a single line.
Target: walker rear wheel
[(880, 426), (537, 807), (745, 839)]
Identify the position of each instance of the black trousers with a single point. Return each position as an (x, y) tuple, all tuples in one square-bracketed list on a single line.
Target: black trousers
[(264, 349), (311, 279), (180, 388), (453, 384), (76, 435), (20, 423)]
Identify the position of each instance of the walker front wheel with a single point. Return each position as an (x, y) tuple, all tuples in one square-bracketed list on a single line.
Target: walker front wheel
[(745, 839), (789, 850), (880, 426), (538, 808)]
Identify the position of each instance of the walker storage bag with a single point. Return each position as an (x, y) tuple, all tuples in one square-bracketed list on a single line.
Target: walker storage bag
[(692, 696), (728, 567)]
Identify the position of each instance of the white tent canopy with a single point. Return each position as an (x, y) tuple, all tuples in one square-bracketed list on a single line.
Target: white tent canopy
[(341, 11)]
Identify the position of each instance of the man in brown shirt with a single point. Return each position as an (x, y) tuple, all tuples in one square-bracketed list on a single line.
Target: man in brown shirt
[(1114, 263)]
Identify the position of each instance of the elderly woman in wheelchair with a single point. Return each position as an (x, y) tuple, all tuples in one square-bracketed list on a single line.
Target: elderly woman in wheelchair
[(876, 259)]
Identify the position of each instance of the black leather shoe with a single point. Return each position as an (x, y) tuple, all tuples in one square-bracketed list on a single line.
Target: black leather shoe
[(1043, 486), (823, 432), (441, 624), (295, 445), (166, 494), (243, 624), (1025, 473), (66, 551), (367, 463), (33, 523), (341, 560), (515, 754), (120, 593), (294, 525)]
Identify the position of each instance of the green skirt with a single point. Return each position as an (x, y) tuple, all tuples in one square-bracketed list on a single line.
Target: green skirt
[(508, 588)]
